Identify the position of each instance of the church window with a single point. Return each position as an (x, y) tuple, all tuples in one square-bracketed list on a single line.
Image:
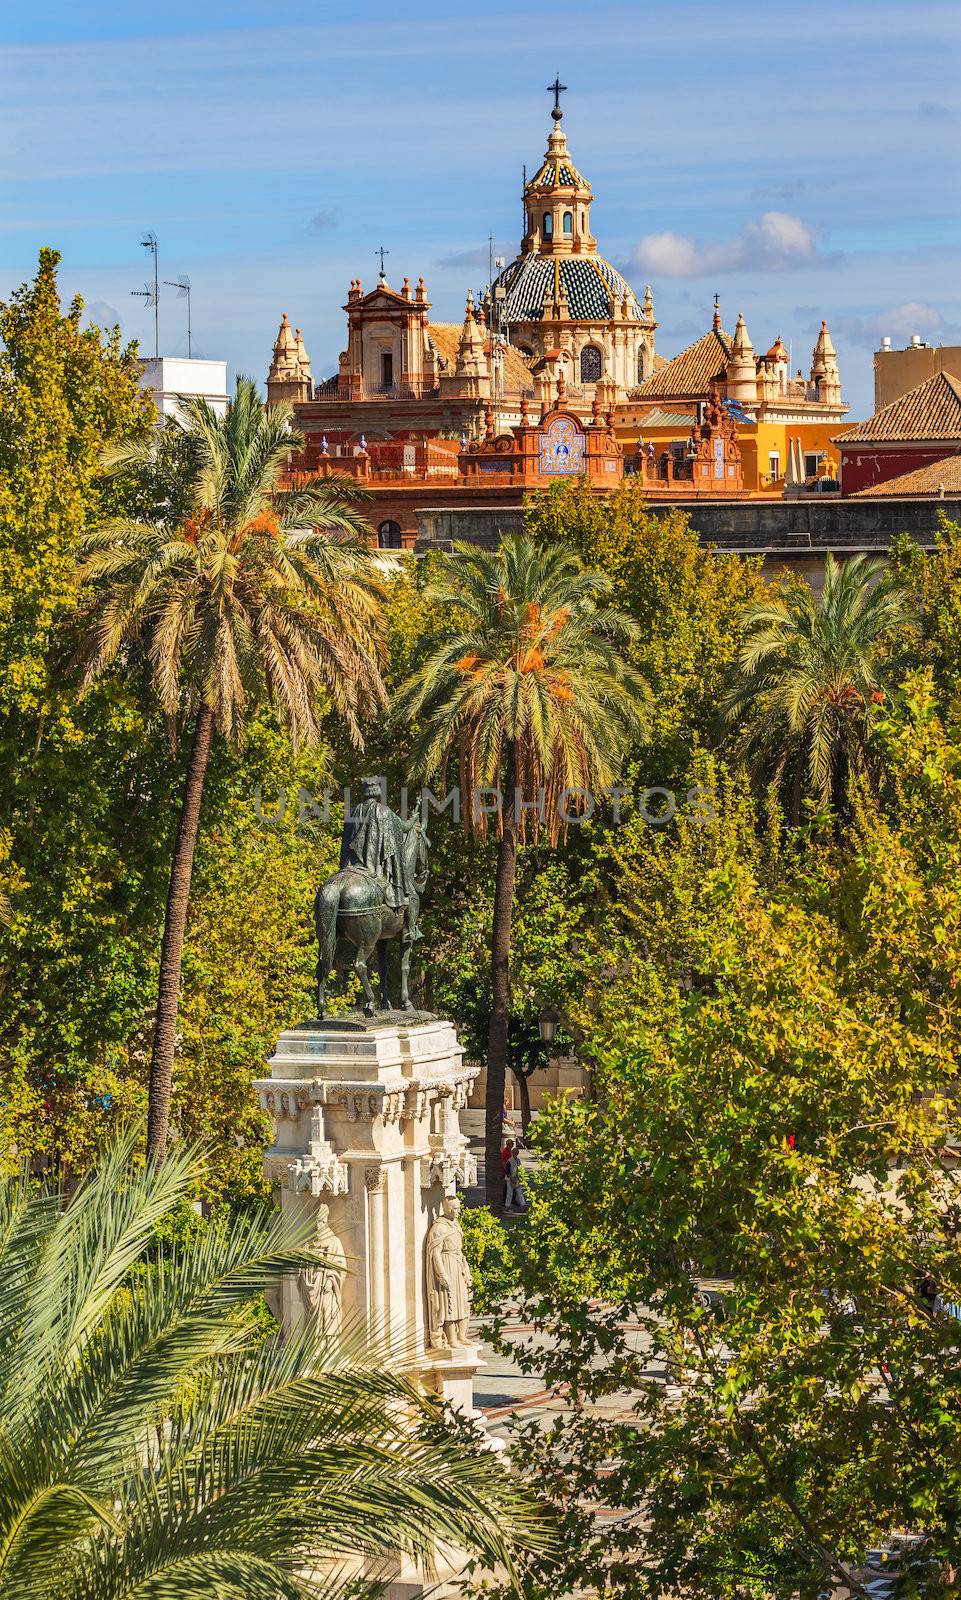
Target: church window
[(387, 369), (548, 225), (388, 535), (641, 364), (590, 364), (568, 222)]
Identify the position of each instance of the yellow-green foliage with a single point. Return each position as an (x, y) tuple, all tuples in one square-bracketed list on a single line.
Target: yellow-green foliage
[(65, 392), (777, 1047), (687, 599)]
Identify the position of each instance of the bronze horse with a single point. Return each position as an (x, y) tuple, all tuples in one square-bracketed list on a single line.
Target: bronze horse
[(353, 918)]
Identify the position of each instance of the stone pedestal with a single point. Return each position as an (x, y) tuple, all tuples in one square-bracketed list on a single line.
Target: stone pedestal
[(366, 1123)]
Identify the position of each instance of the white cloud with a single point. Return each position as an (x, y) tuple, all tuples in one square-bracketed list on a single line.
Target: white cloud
[(911, 317), (101, 314), (900, 323), (667, 255), (774, 242)]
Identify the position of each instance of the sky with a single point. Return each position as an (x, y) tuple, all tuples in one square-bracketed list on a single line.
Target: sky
[(801, 163)]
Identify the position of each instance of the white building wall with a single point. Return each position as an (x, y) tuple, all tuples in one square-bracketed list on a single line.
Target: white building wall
[(170, 379)]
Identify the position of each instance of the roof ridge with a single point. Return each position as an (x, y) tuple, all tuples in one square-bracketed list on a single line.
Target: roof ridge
[(930, 410)]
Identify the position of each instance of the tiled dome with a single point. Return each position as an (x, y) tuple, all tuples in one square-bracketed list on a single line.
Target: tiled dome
[(591, 284)]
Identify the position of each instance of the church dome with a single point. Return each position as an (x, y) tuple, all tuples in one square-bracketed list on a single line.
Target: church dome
[(590, 285)]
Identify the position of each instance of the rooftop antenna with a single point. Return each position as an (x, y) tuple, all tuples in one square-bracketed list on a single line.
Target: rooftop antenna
[(182, 285), (380, 251), (152, 297)]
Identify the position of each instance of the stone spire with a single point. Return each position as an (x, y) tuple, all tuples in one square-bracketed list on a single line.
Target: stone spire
[(303, 360), (471, 376), (825, 376), (471, 358), (648, 306), (741, 368), (557, 200), (286, 380), (285, 350)]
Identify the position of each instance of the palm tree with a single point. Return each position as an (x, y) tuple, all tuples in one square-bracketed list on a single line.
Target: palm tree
[(527, 685), (153, 1443), (258, 597), (806, 675)]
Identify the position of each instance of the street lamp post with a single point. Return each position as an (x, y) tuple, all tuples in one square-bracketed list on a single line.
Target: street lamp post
[(547, 1023)]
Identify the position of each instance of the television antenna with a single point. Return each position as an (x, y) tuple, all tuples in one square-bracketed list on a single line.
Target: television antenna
[(182, 286), (151, 295)]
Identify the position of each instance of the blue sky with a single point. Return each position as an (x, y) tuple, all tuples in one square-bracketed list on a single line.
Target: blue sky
[(803, 163)]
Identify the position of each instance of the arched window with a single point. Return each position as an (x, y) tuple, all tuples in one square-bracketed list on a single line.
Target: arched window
[(568, 223), (641, 364), (590, 364), (388, 535), (548, 225)]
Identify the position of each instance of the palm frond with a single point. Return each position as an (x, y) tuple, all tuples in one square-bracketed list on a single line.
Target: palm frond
[(805, 673), (151, 1445), (261, 594)]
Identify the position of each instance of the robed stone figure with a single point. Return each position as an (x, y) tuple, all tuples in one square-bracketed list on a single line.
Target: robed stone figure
[(448, 1279), (322, 1285)]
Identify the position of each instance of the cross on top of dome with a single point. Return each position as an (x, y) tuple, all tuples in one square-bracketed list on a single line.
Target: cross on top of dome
[(557, 89)]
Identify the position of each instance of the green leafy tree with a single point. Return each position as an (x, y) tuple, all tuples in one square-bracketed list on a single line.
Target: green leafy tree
[(249, 952), (81, 786), (154, 1444), (933, 581), (806, 676), (687, 600), (248, 602), (528, 689), (65, 393), (738, 1250)]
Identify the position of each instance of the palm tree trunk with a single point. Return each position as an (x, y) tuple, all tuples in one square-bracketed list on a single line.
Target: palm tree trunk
[(500, 987), (172, 949)]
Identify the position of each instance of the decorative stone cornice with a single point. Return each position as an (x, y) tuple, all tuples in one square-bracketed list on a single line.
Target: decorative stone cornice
[(448, 1165), (400, 1101), (320, 1170)]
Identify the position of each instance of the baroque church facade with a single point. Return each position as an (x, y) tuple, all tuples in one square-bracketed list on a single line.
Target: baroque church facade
[(559, 320)]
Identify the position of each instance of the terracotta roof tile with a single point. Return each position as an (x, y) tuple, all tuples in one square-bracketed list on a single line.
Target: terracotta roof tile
[(931, 411), (926, 480), (517, 374), (689, 373), (445, 337)]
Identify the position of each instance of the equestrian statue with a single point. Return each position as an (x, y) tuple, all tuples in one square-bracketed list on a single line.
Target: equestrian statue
[(373, 898)]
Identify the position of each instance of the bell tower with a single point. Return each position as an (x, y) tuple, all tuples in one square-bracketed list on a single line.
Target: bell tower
[(557, 200)]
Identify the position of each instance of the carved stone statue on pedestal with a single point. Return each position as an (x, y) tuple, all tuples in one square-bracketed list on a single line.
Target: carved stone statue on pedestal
[(448, 1279), (373, 899), (322, 1286)]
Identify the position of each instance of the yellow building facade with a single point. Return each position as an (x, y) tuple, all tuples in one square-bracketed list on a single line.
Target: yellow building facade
[(786, 426)]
